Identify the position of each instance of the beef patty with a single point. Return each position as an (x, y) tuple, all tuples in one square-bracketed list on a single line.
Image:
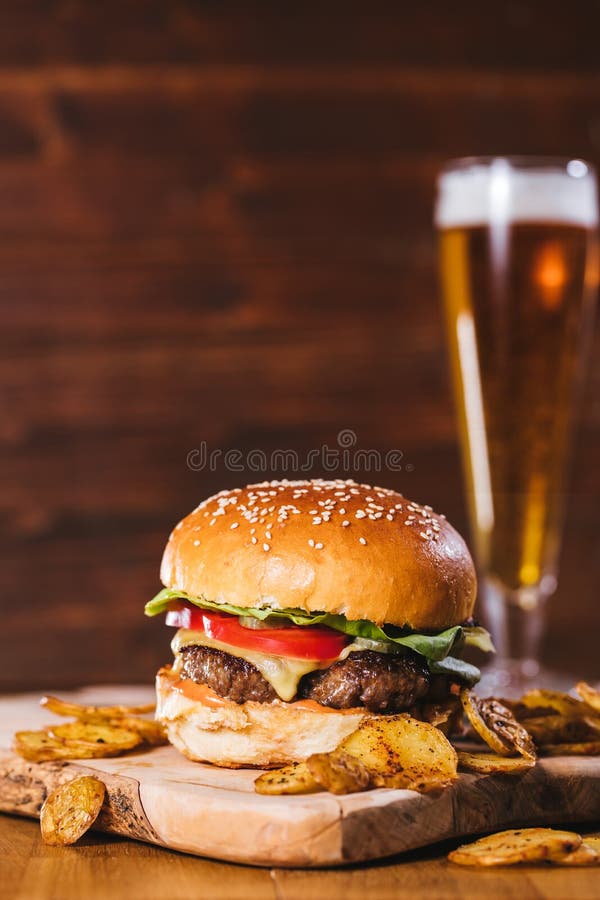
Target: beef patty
[(379, 681), (228, 676)]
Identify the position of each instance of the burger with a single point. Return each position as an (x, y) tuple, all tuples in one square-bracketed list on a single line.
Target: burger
[(300, 608)]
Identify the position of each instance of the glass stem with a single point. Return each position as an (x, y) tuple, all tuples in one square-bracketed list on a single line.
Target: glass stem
[(516, 620)]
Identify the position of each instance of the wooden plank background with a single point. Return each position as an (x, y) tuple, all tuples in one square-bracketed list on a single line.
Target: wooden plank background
[(215, 224)]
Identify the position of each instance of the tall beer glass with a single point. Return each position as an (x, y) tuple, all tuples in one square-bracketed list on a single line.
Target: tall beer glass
[(518, 248)]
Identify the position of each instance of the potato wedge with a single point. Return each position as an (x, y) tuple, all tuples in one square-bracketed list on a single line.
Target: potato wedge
[(521, 712), (124, 717), (98, 731), (70, 810), (520, 845), (293, 779), (385, 751), (474, 708), (497, 726), (593, 841), (78, 711), (585, 855), (486, 763), (420, 781), (339, 772), (556, 729), (584, 748), (150, 731), (554, 700), (589, 695), (77, 733), (401, 751), (39, 746)]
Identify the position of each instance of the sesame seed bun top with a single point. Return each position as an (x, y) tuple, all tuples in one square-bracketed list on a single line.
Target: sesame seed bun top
[(332, 546)]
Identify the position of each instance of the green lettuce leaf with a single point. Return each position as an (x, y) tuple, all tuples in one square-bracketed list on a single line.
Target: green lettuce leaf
[(455, 667), (434, 647)]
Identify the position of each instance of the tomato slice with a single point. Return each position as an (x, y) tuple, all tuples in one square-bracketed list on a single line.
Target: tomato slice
[(295, 641)]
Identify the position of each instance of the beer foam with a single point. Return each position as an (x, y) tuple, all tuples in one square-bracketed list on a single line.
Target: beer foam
[(496, 193)]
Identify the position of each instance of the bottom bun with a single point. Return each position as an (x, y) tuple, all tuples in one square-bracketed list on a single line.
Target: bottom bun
[(208, 728)]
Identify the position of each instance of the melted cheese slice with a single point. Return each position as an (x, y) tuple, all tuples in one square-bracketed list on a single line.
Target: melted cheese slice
[(283, 674)]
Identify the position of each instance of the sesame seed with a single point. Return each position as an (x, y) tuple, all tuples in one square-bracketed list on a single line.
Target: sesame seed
[(253, 539), (234, 525), (345, 523), (409, 521), (360, 514), (317, 520), (196, 543), (266, 548), (342, 511), (319, 546), (389, 517), (311, 542), (424, 536), (268, 535), (362, 540), (212, 521)]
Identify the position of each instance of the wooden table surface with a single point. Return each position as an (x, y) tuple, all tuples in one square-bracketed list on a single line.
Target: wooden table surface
[(104, 866)]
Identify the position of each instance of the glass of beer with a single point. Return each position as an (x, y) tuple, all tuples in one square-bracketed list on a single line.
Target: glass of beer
[(518, 245)]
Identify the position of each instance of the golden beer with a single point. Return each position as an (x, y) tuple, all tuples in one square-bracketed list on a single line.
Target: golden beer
[(518, 267)]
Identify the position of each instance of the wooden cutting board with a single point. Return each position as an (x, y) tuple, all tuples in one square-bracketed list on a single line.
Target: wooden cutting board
[(160, 797)]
